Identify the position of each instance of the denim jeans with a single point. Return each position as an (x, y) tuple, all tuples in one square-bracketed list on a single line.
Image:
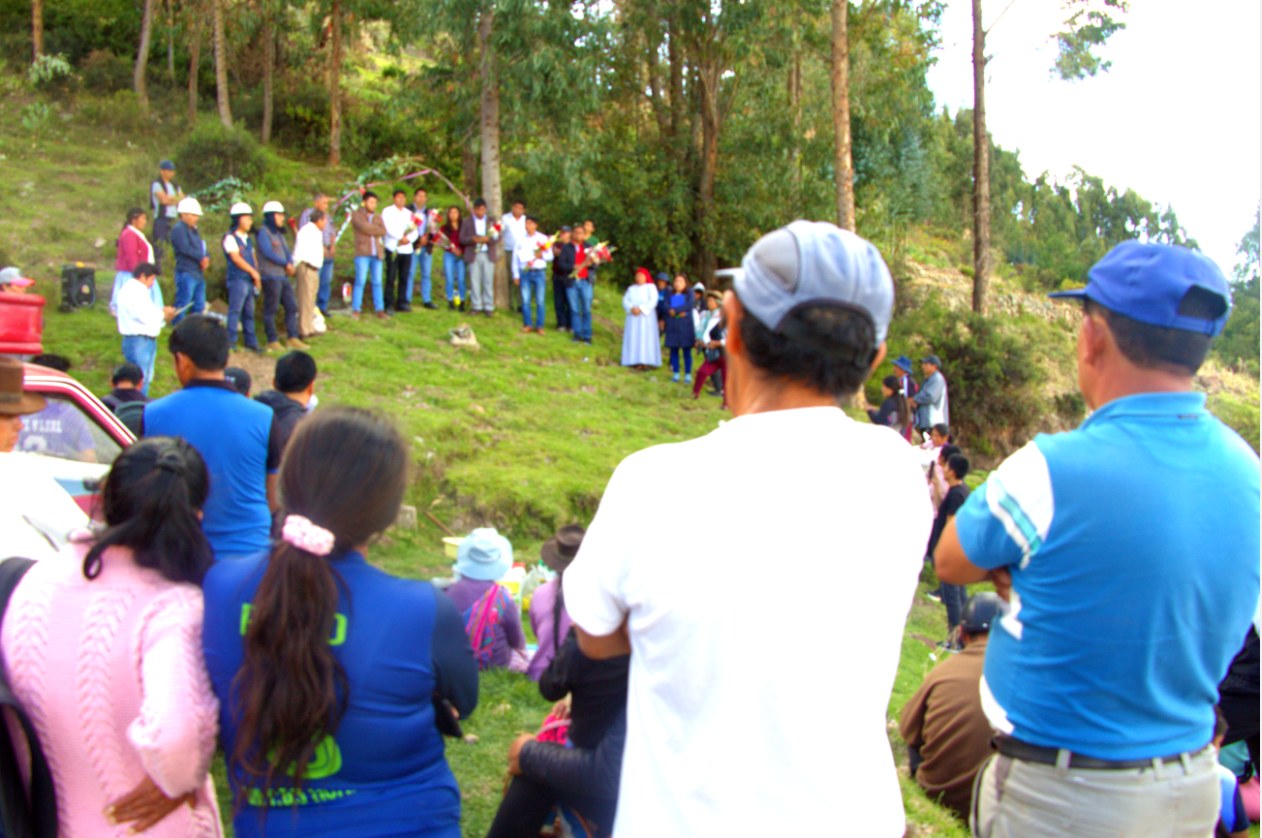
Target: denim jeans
[(422, 264), (674, 359), (454, 271), (560, 303), (579, 297), (362, 266), (241, 310), (326, 286), (533, 288), (141, 351), (189, 288), (279, 292), (954, 597)]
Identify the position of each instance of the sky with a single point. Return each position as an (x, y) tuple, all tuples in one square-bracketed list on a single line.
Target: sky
[(1178, 117)]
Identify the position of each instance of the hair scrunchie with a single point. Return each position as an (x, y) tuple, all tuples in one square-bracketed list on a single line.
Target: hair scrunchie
[(300, 532)]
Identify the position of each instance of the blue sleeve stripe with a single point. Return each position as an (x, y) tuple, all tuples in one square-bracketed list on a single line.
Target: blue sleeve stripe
[(1014, 519)]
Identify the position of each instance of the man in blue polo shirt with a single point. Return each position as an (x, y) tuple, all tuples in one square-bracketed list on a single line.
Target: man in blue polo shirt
[(236, 437), (1129, 549)]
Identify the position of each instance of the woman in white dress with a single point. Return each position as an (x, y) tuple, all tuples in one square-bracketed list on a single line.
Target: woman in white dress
[(641, 346)]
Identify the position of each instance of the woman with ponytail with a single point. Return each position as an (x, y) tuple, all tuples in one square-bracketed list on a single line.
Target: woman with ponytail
[(334, 677), (102, 647)]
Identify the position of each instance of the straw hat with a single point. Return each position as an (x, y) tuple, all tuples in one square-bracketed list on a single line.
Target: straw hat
[(13, 400)]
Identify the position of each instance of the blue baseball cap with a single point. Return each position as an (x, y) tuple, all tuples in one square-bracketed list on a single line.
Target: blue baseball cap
[(1149, 282), (167, 165), (814, 263)]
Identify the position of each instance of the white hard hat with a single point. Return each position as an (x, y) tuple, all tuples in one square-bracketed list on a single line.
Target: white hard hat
[(240, 208), (271, 207), (189, 205)]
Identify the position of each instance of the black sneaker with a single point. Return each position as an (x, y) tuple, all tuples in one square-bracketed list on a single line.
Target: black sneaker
[(403, 307), (429, 306), (451, 306)]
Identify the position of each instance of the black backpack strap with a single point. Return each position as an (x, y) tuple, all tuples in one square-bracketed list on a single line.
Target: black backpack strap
[(35, 816)]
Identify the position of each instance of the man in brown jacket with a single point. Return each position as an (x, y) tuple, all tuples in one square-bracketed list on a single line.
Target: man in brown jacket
[(370, 249), (946, 731), (480, 239)]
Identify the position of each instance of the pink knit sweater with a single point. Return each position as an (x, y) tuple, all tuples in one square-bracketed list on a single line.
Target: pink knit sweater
[(111, 673)]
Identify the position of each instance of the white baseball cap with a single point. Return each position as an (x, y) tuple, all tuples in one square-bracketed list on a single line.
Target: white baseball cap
[(814, 263), (189, 205), (240, 208), (271, 207)]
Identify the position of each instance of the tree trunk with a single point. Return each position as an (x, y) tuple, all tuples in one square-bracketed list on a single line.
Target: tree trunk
[(710, 119), (335, 86), (194, 61), (171, 41), (469, 166), (221, 64), (981, 167), (37, 29), (142, 56), (840, 75), (490, 135), (269, 76)]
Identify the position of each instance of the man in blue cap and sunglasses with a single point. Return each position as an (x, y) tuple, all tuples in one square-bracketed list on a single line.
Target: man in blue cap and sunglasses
[(1129, 551)]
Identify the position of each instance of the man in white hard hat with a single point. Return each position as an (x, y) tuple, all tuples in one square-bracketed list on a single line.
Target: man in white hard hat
[(191, 259)]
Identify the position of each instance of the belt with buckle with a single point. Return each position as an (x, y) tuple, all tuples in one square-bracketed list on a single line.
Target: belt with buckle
[(1016, 749)]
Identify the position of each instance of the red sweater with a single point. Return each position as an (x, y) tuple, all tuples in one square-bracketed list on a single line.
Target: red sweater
[(133, 249)]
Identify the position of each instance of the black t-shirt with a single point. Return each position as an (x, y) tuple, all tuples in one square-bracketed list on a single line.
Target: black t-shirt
[(951, 504)]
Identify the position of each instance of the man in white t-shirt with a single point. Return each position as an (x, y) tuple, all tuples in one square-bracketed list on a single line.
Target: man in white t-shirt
[(735, 726)]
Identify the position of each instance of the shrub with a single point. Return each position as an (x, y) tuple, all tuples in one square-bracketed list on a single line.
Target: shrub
[(51, 73), (212, 152), (120, 112), (105, 72)]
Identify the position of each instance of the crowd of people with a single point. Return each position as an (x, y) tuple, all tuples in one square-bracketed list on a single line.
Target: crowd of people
[(228, 599)]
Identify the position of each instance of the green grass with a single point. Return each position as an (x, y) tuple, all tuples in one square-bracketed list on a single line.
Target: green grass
[(521, 434)]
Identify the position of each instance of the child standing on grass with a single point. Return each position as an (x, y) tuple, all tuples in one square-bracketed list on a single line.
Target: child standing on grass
[(953, 596), (680, 329), (710, 340), (641, 347)]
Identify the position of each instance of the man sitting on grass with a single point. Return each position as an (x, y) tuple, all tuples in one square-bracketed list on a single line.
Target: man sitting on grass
[(944, 726)]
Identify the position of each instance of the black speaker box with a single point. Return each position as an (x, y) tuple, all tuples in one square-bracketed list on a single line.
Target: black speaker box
[(78, 287)]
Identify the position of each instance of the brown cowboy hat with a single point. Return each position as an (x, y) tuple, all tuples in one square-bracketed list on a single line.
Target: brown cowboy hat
[(559, 550), (13, 401)]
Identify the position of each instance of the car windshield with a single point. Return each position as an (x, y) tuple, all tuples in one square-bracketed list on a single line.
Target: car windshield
[(63, 429)]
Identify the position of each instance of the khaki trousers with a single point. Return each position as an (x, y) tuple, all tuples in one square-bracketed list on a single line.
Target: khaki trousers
[(306, 284), (1018, 799)]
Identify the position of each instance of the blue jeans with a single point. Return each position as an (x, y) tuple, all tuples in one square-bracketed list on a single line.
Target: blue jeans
[(362, 264), (326, 286), (454, 270), (189, 288), (423, 264), (579, 297), (533, 287), (674, 359), (241, 310), (141, 351), (954, 598)]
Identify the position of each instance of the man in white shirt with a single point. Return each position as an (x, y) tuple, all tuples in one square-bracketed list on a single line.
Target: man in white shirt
[(140, 320), (400, 235), (730, 730), (36, 514), (423, 250), (530, 260), (308, 257), (514, 225)]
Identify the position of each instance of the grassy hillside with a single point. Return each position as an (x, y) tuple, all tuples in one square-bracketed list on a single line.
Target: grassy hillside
[(521, 434)]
